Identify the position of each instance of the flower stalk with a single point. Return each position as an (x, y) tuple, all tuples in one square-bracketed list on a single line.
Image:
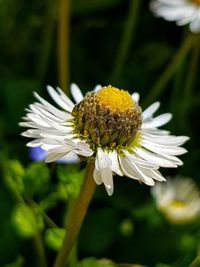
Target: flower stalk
[(63, 43), (191, 77), (127, 38), (77, 216), (170, 70)]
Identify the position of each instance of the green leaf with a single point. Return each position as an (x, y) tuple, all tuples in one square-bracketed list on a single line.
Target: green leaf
[(27, 221), (36, 179), (92, 262), (17, 263), (9, 241), (13, 176), (54, 237), (70, 180), (50, 200)]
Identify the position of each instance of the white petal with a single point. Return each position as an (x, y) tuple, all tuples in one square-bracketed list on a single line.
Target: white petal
[(154, 158), (136, 97), (37, 119), (28, 133), (162, 149), (165, 140), (97, 176), (54, 157), (97, 88), (141, 173), (41, 111), (34, 143), (107, 178), (65, 98), (139, 161), (58, 99), (102, 160), (115, 164), (158, 176), (148, 112), (50, 108), (60, 150), (157, 121), (83, 149), (127, 167), (69, 158), (76, 93)]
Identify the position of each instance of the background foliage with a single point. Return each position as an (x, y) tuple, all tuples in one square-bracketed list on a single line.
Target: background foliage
[(116, 42)]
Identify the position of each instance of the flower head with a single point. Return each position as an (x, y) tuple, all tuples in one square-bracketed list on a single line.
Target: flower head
[(107, 126), (178, 200), (182, 11)]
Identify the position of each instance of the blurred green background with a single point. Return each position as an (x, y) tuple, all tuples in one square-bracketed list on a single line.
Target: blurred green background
[(116, 42)]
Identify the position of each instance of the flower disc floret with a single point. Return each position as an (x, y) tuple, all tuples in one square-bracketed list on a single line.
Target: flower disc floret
[(108, 118), (115, 99)]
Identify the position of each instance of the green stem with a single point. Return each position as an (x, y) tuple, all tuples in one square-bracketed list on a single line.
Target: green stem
[(63, 43), (48, 220), (48, 31), (77, 216), (196, 262), (73, 259), (170, 70), (127, 38), (177, 84), (191, 77), (41, 258)]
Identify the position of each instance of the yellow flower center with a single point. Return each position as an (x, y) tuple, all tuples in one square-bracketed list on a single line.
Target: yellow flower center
[(109, 118), (196, 2), (115, 99), (178, 204)]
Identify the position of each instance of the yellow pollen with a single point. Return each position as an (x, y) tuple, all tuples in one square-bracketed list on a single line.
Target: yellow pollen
[(177, 204), (115, 99)]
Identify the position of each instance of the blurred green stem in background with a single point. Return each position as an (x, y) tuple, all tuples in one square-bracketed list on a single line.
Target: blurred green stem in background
[(76, 216), (47, 40), (126, 39), (41, 258), (63, 43), (196, 262), (170, 70), (192, 74)]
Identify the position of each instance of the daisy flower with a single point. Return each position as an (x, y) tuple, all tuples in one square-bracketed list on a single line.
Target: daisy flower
[(178, 200), (182, 11), (107, 126)]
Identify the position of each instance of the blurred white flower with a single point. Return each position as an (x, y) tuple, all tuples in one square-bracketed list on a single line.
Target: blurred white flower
[(107, 126), (178, 199), (182, 11)]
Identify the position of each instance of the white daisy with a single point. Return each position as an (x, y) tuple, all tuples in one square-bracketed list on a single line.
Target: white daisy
[(106, 126), (182, 11), (178, 200)]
